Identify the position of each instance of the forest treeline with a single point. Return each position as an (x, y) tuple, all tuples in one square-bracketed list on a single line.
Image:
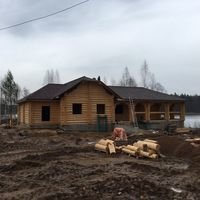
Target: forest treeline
[(192, 103)]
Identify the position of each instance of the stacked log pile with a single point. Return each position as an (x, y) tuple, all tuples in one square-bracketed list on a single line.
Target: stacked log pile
[(146, 148), (105, 145)]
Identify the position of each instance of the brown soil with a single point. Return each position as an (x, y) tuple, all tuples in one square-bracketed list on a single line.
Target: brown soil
[(45, 165)]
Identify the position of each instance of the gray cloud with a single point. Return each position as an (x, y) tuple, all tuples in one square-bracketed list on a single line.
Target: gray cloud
[(101, 37)]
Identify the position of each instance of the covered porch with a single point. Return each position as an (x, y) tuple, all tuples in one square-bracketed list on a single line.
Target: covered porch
[(150, 114)]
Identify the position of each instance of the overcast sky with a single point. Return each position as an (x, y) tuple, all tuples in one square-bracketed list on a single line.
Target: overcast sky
[(102, 37)]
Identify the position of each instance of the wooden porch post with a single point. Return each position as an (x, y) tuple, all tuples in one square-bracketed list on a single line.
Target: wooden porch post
[(130, 113), (89, 104), (30, 113), (182, 111), (167, 113), (147, 111), (23, 113)]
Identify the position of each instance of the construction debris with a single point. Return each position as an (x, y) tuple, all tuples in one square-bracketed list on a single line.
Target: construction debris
[(194, 141), (183, 130)]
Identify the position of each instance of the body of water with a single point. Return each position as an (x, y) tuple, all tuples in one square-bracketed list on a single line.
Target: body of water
[(192, 121)]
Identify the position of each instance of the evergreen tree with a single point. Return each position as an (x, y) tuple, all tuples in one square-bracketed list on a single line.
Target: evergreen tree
[(10, 92)]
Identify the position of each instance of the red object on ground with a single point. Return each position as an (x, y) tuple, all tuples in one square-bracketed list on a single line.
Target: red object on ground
[(119, 134)]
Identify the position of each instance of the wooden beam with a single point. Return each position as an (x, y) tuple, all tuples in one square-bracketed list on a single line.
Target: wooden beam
[(167, 115), (147, 111), (89, 103), (182, 111)]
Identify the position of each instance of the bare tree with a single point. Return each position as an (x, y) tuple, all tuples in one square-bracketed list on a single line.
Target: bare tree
[(154, 85), (57, 76), (113, 82), (51, 76), (145, 74), (25, 92), (127, 79), (148, 79), (105, 80), (159, 87), (152, 81)]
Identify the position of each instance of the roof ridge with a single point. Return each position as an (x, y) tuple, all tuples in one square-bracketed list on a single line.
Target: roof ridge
[(54, 84), (73, 83), (82, 77)]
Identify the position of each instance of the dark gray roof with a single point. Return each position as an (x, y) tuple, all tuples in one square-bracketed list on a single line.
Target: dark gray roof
[(54, 91), (140, 93), (45, 93)]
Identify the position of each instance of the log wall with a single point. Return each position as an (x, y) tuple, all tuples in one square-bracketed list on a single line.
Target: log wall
[(88, 94), (27, 113), (30, 113), (24, 113), (21, 113), (36, 113)]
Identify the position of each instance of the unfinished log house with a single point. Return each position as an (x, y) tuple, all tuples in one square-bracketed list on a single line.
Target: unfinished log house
[(86, 104)]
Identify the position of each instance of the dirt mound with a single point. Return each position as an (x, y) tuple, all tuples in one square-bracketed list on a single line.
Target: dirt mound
[(176, 146)]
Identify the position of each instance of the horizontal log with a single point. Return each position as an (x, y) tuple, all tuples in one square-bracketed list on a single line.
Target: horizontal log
[(132, 148), (143, 153), (195, 140), (152, 141), (141, 146), (150, 145), (103, 142), (110, 141), (100, 147), (154, 156), (151, 152), (128, 151)]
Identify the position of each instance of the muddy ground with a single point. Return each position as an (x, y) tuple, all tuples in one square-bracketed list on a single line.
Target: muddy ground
[(45, 165)]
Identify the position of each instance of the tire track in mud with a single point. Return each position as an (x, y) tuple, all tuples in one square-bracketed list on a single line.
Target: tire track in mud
[(36, 170), (51, 168), (46, 168)]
